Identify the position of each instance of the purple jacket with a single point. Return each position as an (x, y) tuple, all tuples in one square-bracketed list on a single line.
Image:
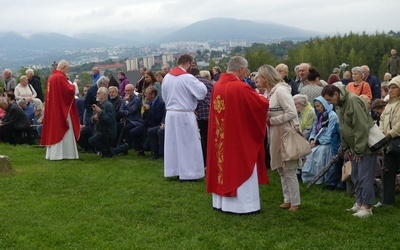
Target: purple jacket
[(123, 82)]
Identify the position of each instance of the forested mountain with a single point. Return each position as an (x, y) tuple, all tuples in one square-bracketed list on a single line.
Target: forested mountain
[(235, 29), (329, 52)]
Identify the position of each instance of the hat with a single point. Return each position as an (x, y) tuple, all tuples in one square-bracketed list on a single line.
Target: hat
[(395, 81)]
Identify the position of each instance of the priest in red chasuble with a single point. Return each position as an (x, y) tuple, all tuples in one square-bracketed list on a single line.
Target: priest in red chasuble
[(61, 121), (235, 149)]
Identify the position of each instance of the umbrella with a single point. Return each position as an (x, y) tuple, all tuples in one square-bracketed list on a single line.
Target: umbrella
[(334, 159)]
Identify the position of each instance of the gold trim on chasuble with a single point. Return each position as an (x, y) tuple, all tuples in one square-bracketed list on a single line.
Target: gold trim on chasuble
[(219, 105)]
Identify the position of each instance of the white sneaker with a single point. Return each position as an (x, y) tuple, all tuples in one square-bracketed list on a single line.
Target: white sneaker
[(379, 204), (355, 208), (363, 212)]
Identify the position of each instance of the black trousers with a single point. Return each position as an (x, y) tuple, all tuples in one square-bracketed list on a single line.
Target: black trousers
[(102, 143), (203, 127), (391, 164), (11, 135), (155, 137)]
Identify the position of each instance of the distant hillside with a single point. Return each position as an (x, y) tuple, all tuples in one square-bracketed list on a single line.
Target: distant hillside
[(110, 39), (234, 29), (11, 40)]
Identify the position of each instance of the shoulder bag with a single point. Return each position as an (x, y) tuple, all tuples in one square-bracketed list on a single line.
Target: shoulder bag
[(376, 139), (294, 146)]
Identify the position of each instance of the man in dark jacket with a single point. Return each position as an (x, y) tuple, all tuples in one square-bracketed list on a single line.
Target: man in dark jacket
[(35, 82), (105, 129), (154, 110), (14, 122), (374, 83)]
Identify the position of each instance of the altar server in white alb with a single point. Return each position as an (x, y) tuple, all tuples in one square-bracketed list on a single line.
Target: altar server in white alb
[(181, 91)]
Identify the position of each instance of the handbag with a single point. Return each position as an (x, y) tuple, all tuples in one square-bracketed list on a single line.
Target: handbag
[(294, 146), (346, 171), (376, 139)]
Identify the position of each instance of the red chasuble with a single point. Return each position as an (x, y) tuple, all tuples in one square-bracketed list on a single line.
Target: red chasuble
[(60, 101), (236, 132)]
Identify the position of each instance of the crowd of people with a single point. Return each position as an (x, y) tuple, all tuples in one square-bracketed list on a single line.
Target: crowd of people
[(198, 121)]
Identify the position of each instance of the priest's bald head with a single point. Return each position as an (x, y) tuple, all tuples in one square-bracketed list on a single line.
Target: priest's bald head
[(63, 66)]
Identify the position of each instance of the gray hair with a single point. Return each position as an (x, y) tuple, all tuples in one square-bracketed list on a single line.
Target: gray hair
[(336, 70), (29, 72), (62, 64), (296, 68), (102, 80), (236, 62), (152, 89), (358, 69), (284, 67), (113, 87), (301, 99), (103, 90), (8, 71)]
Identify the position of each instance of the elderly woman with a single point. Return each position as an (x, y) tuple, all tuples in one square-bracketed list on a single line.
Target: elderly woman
[(390, 126), (282, 113), (24, 90), (283, 70), (358, 86), (205, 74), (306, 114), (321, 141)]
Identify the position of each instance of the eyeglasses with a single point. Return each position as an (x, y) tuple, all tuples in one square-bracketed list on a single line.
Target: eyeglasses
[(128, 90)]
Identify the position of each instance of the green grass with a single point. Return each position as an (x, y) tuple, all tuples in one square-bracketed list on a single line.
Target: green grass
[(126, 203)]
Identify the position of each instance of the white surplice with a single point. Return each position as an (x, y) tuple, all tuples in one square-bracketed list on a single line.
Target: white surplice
[(246, 201), (182, 152), (66, 148)]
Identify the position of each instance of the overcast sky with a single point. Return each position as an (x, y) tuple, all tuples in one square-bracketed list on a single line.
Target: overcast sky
[(72, 16)]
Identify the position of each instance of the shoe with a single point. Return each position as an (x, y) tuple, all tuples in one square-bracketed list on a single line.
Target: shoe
[(294, 208), (140, 153), (379, 204), (285, 205), (107, 155), (363, 212), (355, 208)]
